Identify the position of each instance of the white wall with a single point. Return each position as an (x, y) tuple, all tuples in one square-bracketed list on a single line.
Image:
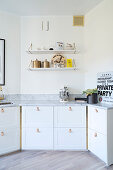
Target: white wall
[(98, 42), (61, 29), (97, 56), (10, 31)]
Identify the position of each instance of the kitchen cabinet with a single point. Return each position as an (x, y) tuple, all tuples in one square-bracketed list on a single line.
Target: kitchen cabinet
[(100, 133), (48, 127), (70, 127), (9, 129), (37, 127), (70, 138)]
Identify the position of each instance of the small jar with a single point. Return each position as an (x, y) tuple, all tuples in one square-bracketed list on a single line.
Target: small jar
[(46, 64)]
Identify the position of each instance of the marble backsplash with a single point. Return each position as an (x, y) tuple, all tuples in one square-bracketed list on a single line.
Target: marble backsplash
[(12, 97)]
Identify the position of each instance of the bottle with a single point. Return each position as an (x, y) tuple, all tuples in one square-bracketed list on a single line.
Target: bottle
[(1, 94)]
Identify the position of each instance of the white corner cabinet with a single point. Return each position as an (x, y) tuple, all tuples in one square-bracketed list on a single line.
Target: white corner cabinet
[(100, 133), (47, 127), (9, 129)]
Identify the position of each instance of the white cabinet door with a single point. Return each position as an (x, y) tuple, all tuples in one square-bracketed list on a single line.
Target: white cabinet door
[(70, 138), (72, 116), (34, 116), (37, 128), (97, 119), (37, 138), (9, 129), (10, 116), (97, 143), (9, 140)]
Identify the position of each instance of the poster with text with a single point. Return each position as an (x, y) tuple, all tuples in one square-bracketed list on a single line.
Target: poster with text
[(105, 87)]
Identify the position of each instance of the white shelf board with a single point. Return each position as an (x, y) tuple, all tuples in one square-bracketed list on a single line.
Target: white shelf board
[(52, 52), (52, 69)]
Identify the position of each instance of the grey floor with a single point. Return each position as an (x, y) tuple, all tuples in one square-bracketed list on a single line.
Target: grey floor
[(52, 160)]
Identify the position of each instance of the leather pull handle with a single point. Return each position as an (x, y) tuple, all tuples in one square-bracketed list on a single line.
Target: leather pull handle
[(95, 134), (70, 130), (38, 131), (2, 133), (70, 109), (38, 109), (96, 110), (2, 110)]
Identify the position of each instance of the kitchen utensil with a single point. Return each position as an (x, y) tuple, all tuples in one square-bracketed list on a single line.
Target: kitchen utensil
[(64, 94)]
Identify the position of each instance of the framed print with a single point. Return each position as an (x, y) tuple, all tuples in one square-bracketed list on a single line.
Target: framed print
[(2, 62)]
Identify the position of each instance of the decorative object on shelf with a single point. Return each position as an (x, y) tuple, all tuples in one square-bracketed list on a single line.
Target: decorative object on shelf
[(69, 62), (58, 61), (59, 46), (46, 64), (92, 96), (2, 62), (38, 48), (51, 49), (44, 48), (70, 46), (64, 94), (35, 64)]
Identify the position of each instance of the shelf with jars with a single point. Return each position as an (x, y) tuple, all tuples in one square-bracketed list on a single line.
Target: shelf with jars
[(52, 69), (58, 62)]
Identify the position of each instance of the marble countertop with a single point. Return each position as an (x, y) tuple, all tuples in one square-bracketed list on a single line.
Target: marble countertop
[(53, 103)]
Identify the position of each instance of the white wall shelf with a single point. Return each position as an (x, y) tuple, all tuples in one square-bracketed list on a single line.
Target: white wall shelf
[(52, 69), (52, 52)]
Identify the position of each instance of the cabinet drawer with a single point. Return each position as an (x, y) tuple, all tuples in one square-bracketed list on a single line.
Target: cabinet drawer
[(97, 119), (70, 138), (72, 116), (9, 140), (97, 143), (37, 138), (38, 116), (10, 116)]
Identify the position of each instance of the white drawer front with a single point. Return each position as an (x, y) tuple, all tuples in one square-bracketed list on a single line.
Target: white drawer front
[(38, 116), (9, 140), (9, 116), (97, 119), (70, 138), (73, 116), (97, 143), (37, 138)]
